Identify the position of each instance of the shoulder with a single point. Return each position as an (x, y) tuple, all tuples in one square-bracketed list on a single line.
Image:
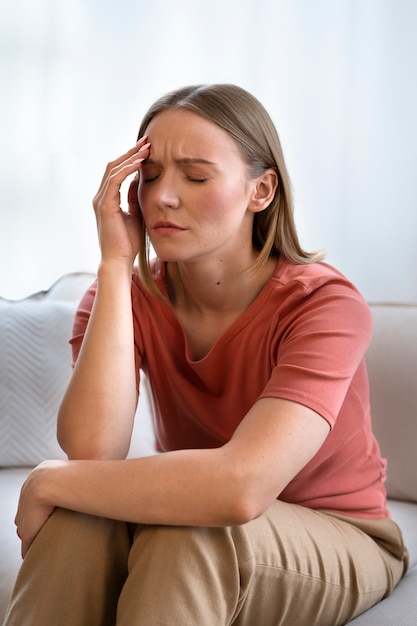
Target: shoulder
[(306, 280), (318, 288), (309, 276)]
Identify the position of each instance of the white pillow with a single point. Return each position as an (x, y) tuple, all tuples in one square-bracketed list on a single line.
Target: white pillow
[(35, 366)]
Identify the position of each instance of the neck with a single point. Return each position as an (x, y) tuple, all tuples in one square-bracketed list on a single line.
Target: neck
[(216, 288)]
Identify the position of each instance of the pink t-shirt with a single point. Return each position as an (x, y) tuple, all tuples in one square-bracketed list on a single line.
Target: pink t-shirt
[(303, 339)]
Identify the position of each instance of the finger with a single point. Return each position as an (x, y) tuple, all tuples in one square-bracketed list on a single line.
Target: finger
[(118, 173), (109, 194), (137, 147)]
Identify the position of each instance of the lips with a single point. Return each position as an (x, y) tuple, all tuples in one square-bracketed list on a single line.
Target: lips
[(167, 228)]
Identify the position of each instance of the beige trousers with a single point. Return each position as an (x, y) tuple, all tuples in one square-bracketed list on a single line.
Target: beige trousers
[(292, 566)]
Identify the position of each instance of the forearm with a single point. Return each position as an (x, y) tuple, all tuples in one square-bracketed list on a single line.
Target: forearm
[(187, 487), (95, 419), (228, 485), (224, 486)]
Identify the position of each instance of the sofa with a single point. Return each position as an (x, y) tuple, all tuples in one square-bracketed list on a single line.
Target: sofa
[(35, 367)]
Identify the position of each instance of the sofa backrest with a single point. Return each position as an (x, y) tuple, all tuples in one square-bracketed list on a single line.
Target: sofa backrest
[(392, 367), (32, 382)]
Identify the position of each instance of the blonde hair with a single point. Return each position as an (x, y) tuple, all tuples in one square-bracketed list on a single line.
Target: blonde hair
[(245, 119)]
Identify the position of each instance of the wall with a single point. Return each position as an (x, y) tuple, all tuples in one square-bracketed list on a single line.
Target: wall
[(337, 77)]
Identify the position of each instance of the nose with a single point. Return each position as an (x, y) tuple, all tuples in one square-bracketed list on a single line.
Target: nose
[(167, 192)]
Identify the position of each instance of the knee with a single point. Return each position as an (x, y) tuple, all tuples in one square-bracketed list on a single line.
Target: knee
[(193, 564), (183, 547), (79, 534)]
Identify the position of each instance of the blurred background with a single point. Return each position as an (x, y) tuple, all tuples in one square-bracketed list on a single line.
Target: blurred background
[(339, 78)]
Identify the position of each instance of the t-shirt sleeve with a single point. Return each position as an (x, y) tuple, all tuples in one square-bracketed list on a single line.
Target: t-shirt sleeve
[(81, 318), (323, 346)]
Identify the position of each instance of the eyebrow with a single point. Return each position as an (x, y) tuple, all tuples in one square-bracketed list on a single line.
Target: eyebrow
[(184, 161)]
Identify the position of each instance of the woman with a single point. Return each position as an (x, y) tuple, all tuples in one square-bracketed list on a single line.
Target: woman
[(267, 505)]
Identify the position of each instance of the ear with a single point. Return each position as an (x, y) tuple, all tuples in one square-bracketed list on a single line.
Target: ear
[(264, 188)]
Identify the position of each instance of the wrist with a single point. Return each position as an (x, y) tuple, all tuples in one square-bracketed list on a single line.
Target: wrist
[(45, 484), (115, 268)]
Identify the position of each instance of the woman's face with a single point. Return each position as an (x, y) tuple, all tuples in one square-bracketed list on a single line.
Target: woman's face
[(195, 192)]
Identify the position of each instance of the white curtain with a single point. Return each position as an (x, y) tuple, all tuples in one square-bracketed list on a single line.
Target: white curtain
[(339, 79)]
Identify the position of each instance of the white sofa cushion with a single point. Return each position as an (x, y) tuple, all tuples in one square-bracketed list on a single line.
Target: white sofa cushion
[(392, 365), (35, 366)]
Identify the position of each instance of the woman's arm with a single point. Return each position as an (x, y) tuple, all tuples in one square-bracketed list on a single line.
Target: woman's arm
[(95, 419), (224, 486)]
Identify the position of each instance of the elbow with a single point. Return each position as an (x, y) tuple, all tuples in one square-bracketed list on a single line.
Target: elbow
[(91, 449), (241, 492), (90, 453), (247, 500), (90, 443), (246, 509)]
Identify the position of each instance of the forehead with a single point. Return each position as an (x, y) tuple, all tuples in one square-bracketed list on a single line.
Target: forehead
[(189, 134)]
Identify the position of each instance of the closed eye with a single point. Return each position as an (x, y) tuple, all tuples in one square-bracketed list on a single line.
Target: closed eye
[(192, 179), (149, 179), (196, 180)]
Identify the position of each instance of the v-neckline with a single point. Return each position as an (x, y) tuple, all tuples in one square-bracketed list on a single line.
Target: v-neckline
[(241, 321)]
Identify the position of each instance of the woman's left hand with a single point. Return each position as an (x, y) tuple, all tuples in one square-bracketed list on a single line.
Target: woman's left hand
[(34, 509)]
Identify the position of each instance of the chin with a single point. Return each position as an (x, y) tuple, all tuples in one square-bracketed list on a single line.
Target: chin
[(169, 255)]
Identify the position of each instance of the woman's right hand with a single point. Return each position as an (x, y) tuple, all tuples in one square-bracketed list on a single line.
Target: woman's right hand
[(119, 231)]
